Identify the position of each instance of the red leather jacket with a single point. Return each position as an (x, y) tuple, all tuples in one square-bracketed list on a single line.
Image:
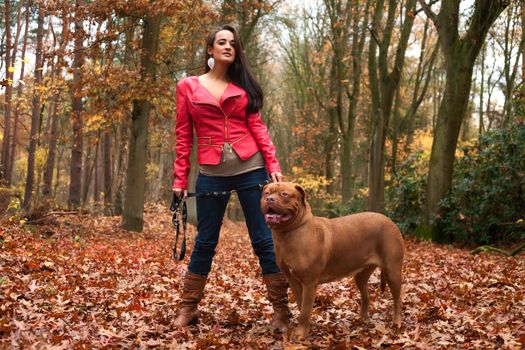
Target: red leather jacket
[(217, 122)]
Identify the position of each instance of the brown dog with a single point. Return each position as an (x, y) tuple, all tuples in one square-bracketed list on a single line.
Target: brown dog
[(311, 250)]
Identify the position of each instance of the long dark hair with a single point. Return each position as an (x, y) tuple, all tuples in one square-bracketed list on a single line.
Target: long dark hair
[(238, 71)]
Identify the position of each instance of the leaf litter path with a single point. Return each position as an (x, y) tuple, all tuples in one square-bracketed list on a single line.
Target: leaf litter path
[(81, 282)]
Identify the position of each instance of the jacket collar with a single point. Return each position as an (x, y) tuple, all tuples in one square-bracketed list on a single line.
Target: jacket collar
[(202, 95)]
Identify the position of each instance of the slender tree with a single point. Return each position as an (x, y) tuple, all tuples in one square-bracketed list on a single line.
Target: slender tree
[(36, 106), (53, 132), (19, 94), (348, 29), (107, 166), (75, 174), (4, 159), (512, 51), (460, 53), (135, 175), (383, 84)]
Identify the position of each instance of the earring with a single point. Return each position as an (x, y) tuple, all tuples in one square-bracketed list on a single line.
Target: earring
[(211, 62)]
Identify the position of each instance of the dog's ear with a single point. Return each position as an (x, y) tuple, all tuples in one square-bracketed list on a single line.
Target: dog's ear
[(302, 192), (265, 186)]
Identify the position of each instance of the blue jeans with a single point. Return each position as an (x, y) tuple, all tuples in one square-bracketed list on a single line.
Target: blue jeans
[(210, 212)]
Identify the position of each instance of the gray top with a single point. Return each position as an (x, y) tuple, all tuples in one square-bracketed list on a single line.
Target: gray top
[(231, 164)]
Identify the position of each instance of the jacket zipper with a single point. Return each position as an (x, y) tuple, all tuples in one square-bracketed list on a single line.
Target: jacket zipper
[(225, 116), (217, 104)]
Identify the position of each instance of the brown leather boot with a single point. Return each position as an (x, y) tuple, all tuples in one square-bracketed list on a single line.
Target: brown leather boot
[(192, 293), (277, 286)]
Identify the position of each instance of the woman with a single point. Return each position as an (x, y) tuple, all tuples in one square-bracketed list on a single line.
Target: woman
[(234, 153)]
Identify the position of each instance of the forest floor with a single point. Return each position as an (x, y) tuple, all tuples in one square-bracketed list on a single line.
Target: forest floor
[(81, 282)]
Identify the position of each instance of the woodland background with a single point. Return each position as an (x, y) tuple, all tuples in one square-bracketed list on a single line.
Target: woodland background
[(411, 108)]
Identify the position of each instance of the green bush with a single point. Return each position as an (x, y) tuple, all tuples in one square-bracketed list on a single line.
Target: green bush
[(335, 208), (405, 195), (487, 200), (324, 203)]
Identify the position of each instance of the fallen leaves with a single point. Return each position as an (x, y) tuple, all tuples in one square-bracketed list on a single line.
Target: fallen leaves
[(90, 284)]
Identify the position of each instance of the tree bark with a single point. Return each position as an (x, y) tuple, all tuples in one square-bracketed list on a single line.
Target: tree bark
[(135, 175), (107, 172), (75, 171), (522, 7), (35, 114), (4, 159), (334, 113), (345, 18), (510, 69), (482, 91), (460, 54), (96, 177), (9, 97), (53, 132), (358, 41), (19, 91), (122, 132), (383, 85), (88, 171)]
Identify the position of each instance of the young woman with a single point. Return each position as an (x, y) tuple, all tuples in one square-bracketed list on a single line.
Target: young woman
[(234, 153)]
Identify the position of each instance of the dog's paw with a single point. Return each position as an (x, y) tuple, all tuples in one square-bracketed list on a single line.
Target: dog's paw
[(300, 332), (280, 325)]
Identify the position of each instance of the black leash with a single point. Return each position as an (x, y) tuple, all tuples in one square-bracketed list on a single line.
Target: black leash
[(175, 208), (179, 213)]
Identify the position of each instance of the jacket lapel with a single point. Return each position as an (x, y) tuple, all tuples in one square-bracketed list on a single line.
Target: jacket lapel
[(203, 96), (231, 91)]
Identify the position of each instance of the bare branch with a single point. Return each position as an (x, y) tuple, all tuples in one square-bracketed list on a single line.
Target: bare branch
[(428, 11), (374, 36)]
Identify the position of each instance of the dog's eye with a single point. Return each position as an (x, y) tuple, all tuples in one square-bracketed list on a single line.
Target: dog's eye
[(284, 194)]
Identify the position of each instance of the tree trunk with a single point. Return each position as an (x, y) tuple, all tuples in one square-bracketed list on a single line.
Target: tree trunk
[(4, 160), (482, 91), (14, 137), (120, 169), (107, 173), (88, 170), (35, 115), (384, 87), (96, 177), (358, 40), (53, 139), (334, 113), (57, 176), (344, 18), (9, 97), (396, 130), (53, 132), (522, 6), (135, 175), (510, 69), (122, 132), (460, 55), (450, 116), (76, 113)]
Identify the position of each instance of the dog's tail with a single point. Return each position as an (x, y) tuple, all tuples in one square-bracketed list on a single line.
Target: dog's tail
[(383, 281)]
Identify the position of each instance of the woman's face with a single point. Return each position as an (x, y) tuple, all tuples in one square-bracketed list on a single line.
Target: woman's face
[(223, 49)]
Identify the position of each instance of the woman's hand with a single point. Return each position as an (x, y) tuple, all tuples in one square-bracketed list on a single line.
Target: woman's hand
[(179, 191), (276, 176)]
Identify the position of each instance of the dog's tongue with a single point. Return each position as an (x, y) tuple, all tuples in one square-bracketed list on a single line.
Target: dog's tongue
[(276, 218)]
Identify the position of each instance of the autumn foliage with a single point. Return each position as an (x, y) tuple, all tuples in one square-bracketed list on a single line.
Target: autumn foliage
[(80, 282)]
